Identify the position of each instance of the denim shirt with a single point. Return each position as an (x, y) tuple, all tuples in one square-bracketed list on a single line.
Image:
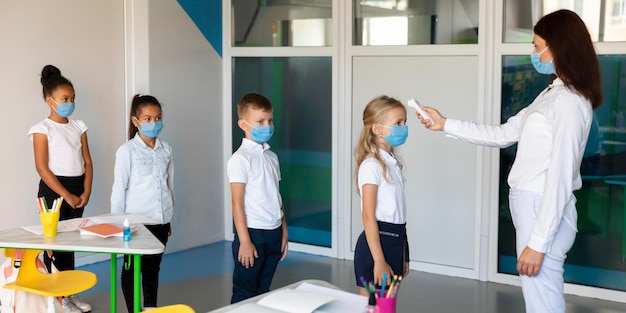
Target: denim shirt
[(143, 180)]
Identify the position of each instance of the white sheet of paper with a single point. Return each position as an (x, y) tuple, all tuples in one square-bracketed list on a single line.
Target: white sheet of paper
[(344, 301), (253, 308), (63, 226), (292, 301)]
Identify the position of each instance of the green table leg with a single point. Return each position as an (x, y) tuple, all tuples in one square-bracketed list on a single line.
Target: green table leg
[(113, 282), (137, 283)]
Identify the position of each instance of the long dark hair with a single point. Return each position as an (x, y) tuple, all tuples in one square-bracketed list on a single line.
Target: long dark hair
[(575, 58), (139, 101), (51, 79)]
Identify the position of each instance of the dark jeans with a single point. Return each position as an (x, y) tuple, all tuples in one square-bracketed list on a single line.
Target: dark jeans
[(150, 267), (253, 281), (75, 185)]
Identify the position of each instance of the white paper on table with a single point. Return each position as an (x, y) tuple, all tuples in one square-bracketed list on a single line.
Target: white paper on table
[(63, 226), (292, 301), (253, 308), (344, 301)]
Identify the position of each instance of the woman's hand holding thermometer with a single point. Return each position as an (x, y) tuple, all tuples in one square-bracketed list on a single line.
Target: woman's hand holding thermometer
[(413, 104)]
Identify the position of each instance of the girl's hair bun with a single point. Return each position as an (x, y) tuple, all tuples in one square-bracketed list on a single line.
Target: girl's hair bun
[(51, 79), (48, 72)]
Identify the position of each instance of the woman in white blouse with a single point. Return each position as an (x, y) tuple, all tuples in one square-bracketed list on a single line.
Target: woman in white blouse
[(551, 134)]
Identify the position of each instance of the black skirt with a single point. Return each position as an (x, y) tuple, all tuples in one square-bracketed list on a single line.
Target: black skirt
[(395, 249)]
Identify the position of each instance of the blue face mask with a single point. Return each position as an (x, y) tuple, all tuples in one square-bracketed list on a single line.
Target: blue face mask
[(398, 135), (262, 134), (64, 109), (546, 68), (152, 129)]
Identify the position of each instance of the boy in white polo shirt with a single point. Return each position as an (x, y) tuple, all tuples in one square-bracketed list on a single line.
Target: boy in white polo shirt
[(253, 172)]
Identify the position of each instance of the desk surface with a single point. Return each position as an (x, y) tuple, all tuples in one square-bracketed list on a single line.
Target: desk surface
[(315, 282), (142, 242)]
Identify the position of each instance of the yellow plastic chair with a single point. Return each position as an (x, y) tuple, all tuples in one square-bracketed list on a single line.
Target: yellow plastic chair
[(58, 284), (174, 308)]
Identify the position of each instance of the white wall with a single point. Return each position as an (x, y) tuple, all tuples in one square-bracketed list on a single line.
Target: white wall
[(186, 77), (440, 173), (85, 39)]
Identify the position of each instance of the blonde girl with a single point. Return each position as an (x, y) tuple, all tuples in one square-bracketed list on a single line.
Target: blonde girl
[(382, 247)]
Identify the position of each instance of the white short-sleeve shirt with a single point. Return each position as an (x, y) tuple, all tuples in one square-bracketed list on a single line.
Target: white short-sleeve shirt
[(257, 167), (390, 201), (65, 155)]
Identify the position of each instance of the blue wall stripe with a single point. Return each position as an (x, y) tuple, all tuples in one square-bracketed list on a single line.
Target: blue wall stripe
[(207, 15)]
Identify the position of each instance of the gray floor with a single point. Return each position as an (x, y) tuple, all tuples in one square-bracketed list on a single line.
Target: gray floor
[(420, 292)]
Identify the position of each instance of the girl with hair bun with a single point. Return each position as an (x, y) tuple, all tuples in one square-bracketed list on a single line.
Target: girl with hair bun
[(63, 162)]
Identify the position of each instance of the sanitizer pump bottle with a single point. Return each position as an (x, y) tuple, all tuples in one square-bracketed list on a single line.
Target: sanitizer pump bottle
[(126, 230)]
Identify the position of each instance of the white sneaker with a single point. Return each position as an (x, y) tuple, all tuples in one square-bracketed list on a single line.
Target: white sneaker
[(80, 304), (148, 308), (69, 307)]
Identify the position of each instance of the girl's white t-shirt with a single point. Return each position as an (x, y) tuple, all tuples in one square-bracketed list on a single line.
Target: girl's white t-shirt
[(65, 155), (390, 201)]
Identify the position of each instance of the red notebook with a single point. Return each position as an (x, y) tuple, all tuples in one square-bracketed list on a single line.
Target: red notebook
[(103, 230)]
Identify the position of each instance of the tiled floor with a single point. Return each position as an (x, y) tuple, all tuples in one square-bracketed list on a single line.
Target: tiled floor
[(201, 277)]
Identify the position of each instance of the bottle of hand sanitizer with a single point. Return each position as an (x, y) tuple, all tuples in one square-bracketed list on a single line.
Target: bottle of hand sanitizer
[(126, 230)]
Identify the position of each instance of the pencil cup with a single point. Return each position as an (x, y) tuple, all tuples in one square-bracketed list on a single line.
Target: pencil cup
[(386, 305), (49, 222)]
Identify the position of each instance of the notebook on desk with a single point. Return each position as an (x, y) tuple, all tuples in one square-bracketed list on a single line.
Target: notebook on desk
[(103, 230)]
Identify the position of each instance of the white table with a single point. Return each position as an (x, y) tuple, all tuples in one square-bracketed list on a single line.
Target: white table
[(142, 242), (362, 301)]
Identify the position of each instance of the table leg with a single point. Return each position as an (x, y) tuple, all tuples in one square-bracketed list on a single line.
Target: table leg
[(137, 283), (113, 283)]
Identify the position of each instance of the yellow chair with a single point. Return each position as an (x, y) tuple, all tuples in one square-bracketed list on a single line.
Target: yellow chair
[(174, 308), (63, 283)]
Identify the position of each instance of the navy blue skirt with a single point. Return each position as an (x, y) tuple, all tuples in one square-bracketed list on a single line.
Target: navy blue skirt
[(395, 248)]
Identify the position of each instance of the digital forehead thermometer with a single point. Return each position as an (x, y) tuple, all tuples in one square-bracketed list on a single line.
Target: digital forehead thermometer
[(415, 105)]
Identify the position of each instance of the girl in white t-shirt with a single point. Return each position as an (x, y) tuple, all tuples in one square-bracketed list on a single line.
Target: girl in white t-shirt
[(382, 247), (63, 162)]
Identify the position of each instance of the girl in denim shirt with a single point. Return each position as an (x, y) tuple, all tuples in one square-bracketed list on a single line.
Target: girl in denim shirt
[(143, 184)]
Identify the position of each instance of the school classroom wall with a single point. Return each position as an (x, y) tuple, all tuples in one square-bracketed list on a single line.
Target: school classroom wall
[(111, 49)]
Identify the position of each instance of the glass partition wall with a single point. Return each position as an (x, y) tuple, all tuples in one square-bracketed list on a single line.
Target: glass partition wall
[(300, 89), (414, 22)]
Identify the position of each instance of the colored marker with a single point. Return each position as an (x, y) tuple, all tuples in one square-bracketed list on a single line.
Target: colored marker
[(382, 287), (365, 284)]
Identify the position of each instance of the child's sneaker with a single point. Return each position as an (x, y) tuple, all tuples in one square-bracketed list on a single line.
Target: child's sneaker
[(69, 307), (80, 304)]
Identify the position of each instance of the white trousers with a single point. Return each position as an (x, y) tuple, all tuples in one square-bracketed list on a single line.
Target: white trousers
[(542, 293)]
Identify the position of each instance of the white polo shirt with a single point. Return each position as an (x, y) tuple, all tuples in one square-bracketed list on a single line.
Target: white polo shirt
[(256, 166), (390, 202), (65, 147)]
